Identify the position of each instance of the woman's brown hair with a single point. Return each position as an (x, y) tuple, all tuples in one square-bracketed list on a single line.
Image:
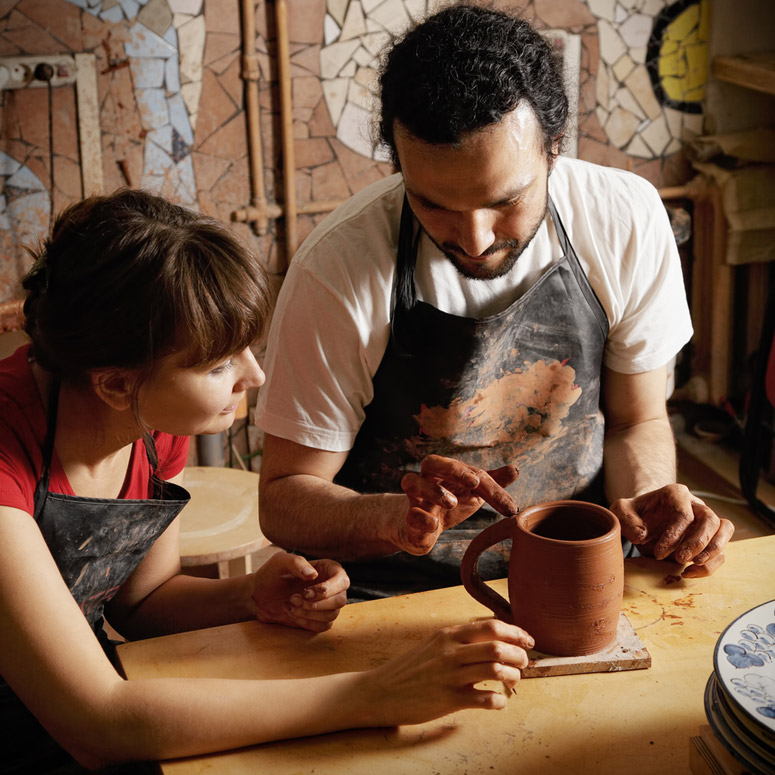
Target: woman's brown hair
[(129, 278)]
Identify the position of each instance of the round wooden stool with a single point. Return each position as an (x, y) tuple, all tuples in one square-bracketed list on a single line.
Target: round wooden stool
[(220, 523)]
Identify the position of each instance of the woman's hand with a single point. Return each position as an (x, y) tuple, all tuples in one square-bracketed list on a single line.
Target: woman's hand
[(287, 589), (438, 676), (446, 492)]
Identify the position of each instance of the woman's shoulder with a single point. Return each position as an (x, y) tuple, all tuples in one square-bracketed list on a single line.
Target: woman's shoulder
[(172, 452)]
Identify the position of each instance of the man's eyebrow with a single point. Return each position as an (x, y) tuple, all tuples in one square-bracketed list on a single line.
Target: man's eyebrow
[(505, 199)]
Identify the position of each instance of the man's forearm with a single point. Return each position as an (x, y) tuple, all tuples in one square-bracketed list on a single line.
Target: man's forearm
[(639, 458), (307, 514)]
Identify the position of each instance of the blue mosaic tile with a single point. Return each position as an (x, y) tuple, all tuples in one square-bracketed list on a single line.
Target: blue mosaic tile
[(146, 43), (147, 72), (162, 136), (179, 118), (180, 148), (172, 75), (24, 179), (186, 188), (171, 36), (153, 107), (8, 165), (114, 14), (155, 162), (130, 8)]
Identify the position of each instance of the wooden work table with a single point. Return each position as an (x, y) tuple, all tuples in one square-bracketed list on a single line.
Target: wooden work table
[(632, 722)]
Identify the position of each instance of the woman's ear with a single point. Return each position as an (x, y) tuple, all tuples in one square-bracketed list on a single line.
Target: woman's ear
[(114, 387)]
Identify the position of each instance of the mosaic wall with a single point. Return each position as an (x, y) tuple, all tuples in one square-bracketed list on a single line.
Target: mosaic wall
[(171, 99), (646, 47)]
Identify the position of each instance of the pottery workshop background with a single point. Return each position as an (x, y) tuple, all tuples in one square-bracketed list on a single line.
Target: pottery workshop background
[(172, 114)]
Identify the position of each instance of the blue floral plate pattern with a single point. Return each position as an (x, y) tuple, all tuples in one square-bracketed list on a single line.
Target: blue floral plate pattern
[(744, 664)]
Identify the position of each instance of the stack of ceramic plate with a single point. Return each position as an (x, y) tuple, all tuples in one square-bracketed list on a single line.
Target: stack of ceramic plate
[(740, 695)]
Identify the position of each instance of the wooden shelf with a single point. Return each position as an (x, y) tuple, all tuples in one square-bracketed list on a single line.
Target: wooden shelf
[(754, 71)]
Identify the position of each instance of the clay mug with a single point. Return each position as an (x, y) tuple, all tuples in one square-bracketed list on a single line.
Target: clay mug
[(566, 575)]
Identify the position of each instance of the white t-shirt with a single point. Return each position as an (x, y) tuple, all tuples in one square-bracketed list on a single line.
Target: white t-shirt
[(331, 324)]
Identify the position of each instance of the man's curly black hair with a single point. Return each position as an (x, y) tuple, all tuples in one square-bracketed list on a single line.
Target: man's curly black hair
[(463, 69)]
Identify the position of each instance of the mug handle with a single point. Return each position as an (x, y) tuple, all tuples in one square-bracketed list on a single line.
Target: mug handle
[(469, 568)]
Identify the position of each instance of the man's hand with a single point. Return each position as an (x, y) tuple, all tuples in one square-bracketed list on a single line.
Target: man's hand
[(671, 521), (287, 589), (445, 493)]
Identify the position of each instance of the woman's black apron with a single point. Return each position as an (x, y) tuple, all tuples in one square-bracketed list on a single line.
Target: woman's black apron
[(97, 543), (521, 387)]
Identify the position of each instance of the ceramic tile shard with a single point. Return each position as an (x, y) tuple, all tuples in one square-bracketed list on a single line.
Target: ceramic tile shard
[(639, 83), (621, 126), (636, 30), (145, 43), (152, 105), (130, 8), (624, 99), (623, 67), (8, 165), (191, 47), (354, 23), (352, 129), (162, 136), (392, 16), (603, 9), (191, 7), (657, 135), (156, 15), (638, 148), (338, 10), (331, 30), (334, 57), (612, 47), (179, 118), (335, 93), (171, 75), (147, 72), (113, 15)]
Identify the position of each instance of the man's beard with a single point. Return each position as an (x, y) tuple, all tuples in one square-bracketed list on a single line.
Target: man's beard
[(514, 249)]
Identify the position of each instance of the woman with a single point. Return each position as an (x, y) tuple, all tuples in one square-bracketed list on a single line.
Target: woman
[(140, 315)]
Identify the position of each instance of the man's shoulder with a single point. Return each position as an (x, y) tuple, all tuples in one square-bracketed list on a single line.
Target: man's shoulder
[(370, 218), (592, 182)]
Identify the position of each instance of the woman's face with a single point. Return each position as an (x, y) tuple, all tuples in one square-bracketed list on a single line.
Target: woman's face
[(192, 400)]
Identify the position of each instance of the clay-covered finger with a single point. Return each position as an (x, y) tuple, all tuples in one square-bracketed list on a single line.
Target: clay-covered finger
[(495, 496), (694, 571), (716, 545), (673, 534), (633, 527), (427, 492), (422, 529), (505, 475), (447, 468), (699, 534)]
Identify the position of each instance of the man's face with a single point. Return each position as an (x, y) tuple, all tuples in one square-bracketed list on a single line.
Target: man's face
[(482, 202)]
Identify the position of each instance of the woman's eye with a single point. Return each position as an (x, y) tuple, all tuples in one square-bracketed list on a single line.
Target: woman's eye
[(223, 367)]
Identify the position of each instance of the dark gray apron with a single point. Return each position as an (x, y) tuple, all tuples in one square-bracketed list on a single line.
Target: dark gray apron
[(97, 543), (521, 387)]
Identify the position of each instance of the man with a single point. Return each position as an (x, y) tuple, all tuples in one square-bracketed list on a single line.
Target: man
[(491, 307)]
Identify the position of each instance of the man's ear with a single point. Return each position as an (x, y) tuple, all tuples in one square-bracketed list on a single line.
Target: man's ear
[(113, 386), (556, 143)]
